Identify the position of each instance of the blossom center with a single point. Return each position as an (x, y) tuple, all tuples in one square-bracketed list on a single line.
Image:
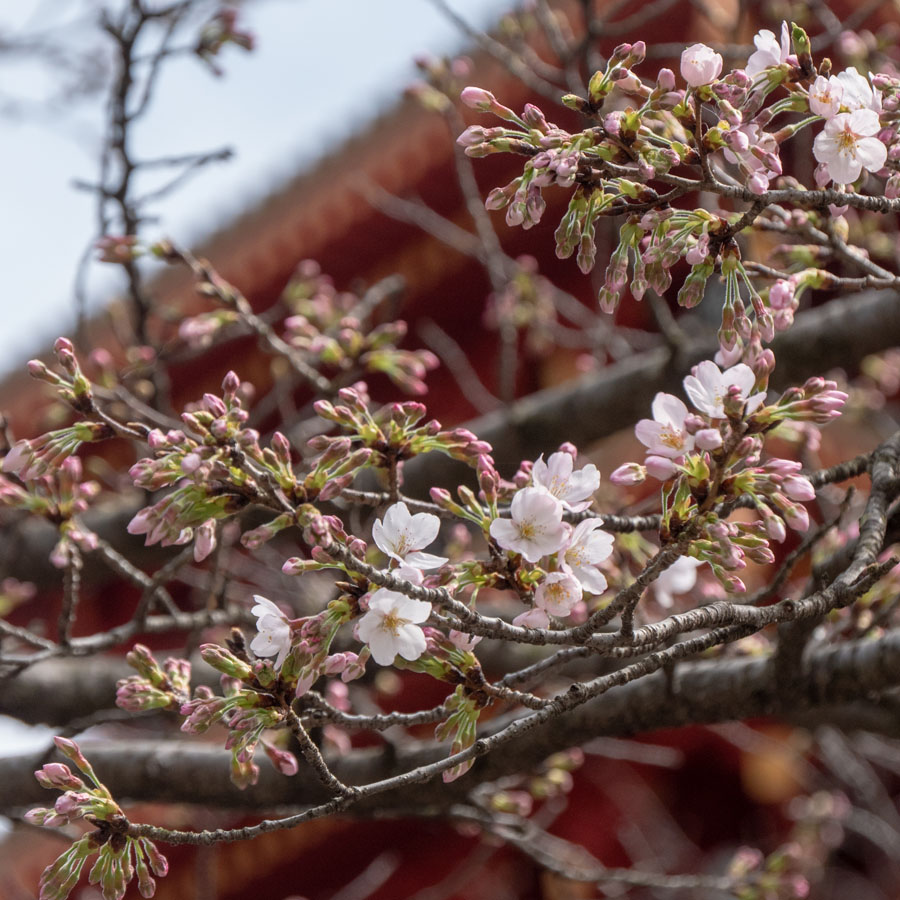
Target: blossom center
[(846, 140), (671, 438), (392, 623)]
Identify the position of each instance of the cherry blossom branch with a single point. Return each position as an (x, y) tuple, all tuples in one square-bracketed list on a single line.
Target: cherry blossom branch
[(832, 681), (210, 283)]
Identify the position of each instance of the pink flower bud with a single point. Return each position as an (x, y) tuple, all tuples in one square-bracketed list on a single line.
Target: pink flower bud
[(628, 474), (799, 488), (708, 439), (477, 98), (660, 467), (700, 65)]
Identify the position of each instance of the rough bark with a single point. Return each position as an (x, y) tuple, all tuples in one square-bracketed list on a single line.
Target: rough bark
[(852, 685)]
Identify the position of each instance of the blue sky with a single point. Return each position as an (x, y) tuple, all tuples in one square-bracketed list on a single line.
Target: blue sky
[(321, 70)]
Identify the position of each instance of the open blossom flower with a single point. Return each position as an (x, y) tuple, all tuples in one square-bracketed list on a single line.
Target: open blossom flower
[(274, 631), (857, 92), (665, 434), (402, 536), (558, 594), (825, 96), (572, 489), (848, 145), (700, 65), (535, 528), (708, 387), (391, 626), (679, 578), (588, 546), (769, 51)]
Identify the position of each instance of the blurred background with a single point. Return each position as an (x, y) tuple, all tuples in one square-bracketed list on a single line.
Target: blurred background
[(306, 147)]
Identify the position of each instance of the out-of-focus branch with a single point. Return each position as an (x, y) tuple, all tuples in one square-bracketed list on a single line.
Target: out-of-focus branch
[(831, 683)]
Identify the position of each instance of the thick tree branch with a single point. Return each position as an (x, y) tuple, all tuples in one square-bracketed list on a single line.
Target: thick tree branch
[(830, 685)]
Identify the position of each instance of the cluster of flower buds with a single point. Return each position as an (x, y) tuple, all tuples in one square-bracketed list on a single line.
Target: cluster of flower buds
[(333, 330), (393, 431), (119, 860), (154, 687), (118, 248), (79, 799), (220, 30), (525, 303), (612, 164), (60, 494), (442, 78), (791, 871), (74, 387), (209, 467), (819, 401), (119, 857), (242, 710), (30, 459)]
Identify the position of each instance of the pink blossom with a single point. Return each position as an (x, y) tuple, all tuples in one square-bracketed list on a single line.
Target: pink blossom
[(391, 626), (825, 96), (558, 594), (535, 528), (402, 536), (700, 65), (572, 489), (781, 294), (532, 618), (769, 52), (463, 641), (678, 578), (665, 434), (707, 388), (857, 92), (848, 145), (588, 546), (274, 631)]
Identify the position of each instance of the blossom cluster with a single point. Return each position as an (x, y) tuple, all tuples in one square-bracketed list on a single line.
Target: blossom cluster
[(536, 531), (119, 857), (619, 165), (722, 443)]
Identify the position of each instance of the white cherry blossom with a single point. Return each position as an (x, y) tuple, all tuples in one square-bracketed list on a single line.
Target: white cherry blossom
[(558, 594), (665, 434), (708, 386), (402, 536), (857, 92), (769, 51), (700, 65), (848, 145), (535, 528), (588, 546), (274, 631), (532, 618), (679, 578), (572, 488), (391, 626), (825, 96)]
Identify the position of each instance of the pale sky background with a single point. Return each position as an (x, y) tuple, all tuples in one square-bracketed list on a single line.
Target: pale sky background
[(320, 71)]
